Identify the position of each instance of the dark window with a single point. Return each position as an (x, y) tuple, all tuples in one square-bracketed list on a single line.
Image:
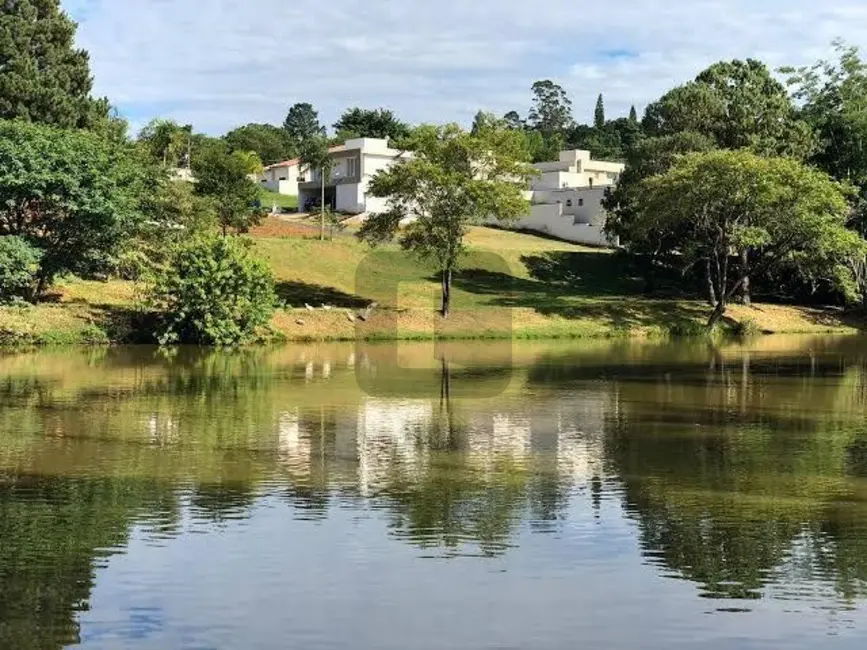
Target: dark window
[(591, 182), (580, 202), (569, 203), (282, 178)]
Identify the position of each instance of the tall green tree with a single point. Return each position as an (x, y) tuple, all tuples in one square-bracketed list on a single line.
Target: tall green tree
[(72, 194), (772, 210), (833, 99), (366, 123), (599, 113), (315, 156), (453, 179), (633, 115), (552, 109), (224, 178), (301, 124), (271, 143), (739, 105), (43, 77)]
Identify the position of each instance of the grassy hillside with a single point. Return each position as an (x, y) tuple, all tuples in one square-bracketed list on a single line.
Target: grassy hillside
[(512, 284), (270, 199)]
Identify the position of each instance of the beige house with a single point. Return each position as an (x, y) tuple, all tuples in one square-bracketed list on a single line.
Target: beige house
[(566, 198)]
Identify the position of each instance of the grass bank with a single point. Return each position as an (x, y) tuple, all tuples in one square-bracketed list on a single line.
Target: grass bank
[(514, 285)]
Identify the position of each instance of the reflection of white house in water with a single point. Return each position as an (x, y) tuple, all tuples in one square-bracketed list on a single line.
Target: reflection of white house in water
[(390, 436)]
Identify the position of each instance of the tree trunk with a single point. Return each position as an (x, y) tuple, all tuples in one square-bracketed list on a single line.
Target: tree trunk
[(447, 291), (718, 312), (322, 209), (711, 292), (745, 285)]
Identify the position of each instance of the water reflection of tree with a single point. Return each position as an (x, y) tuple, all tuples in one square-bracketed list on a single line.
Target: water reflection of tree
[(738, 476), (53, 534)]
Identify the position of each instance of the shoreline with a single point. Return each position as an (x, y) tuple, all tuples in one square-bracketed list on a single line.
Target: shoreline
[(82, 324)]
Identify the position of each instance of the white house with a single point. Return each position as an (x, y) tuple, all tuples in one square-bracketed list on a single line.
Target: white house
[(282, 177), (566, 198), (354, 163)]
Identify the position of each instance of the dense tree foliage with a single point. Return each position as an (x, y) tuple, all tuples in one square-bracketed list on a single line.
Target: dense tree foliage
[(72, 194), (551, 111), (19, 262), (43, 77), (272, 144), (167, 142), (739, 105), (453, 179), (766, 210), (365, 123), (224, 178), (213, 292)]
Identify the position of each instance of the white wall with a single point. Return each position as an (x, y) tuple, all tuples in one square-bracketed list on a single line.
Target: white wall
[(348, 198), (271, 179)]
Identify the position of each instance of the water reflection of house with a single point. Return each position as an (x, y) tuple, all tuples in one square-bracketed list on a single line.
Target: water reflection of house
[(390, 438)]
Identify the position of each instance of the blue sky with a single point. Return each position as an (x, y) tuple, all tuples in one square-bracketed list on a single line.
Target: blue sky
[(221, 63)]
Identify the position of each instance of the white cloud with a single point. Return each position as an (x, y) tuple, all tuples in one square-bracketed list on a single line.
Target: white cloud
[(220, 63)]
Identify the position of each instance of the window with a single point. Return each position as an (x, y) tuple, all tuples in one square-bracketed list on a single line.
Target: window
[(580, 202), (282, 178), (352, 167), (569, 203), (591, 182)]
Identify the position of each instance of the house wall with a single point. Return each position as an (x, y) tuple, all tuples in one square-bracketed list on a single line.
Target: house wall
[(550, 219), (349, 198), (283, 180)]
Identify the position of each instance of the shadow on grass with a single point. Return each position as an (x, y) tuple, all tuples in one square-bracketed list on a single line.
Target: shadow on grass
[(299, 293)]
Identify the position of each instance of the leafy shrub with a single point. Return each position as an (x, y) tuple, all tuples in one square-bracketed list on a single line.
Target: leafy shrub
[(746, 328), (19, 262), (213, 292), (687, 329)]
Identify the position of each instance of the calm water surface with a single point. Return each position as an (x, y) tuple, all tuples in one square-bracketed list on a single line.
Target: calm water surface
[(604, 495)]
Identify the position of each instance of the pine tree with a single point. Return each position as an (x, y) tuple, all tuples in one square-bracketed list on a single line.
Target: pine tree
[(43, 77), (633, 115), (599, 115)]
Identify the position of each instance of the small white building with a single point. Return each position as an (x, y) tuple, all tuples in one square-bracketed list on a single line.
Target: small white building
[(354, 163), (282, 177), (566, 198)]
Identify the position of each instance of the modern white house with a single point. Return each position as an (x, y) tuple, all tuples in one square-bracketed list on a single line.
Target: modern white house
[(354, 163), (566, 198)]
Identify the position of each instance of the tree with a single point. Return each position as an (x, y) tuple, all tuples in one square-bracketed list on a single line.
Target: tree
[(552, 109), (453, 179), (43, 78), (599, 113), (833, 96), (166, 142), (214, 292), (71, 194), (271, 143), (513, 120), (633, 115), (301, 124), (376, 123), (739, 105), (771, 209), (19, 262), (315, 155), (224, 178)]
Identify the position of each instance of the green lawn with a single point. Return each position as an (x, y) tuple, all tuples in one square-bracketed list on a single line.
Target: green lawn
[(511, 285), (283, 201)]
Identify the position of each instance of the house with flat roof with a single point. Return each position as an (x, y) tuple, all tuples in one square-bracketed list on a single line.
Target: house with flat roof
[(354, 163), (566, 198)]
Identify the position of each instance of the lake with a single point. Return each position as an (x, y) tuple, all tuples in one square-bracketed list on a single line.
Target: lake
[(609, 494)]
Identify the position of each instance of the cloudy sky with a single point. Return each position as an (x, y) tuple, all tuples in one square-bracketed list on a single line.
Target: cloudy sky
[(222, 63)]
